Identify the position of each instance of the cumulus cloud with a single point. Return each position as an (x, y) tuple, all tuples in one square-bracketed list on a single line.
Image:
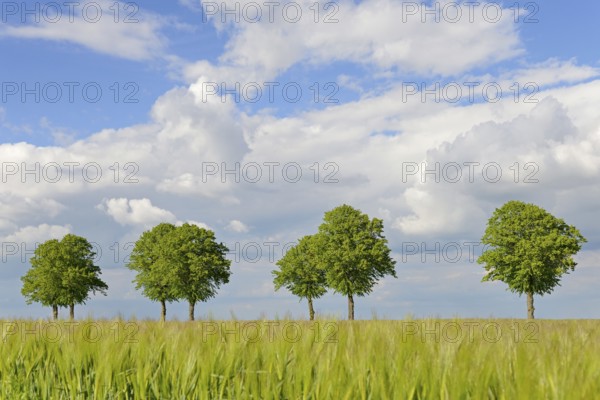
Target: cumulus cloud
[(38, 234), (237, 226), (12, 206), (135, 212), (23, 241), (379, 33), (514, 159)]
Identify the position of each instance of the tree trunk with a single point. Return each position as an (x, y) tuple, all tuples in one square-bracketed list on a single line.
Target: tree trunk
[(163, 310), (192, 307), (311, 310), (55, 312), (350, 308), (72, 311), (530, 307)]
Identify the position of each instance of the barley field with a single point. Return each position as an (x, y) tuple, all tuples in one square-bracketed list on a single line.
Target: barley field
[(288, 359)]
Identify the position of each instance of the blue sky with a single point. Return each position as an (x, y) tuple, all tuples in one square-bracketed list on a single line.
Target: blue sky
[(157, 120)]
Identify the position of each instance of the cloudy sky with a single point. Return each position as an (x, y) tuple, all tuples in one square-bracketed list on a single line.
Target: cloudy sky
[(255, 119)]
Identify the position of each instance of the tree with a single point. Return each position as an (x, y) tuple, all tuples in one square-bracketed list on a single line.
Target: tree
[(80, 276), (355, 254), (41, 283), (176, 263), (201, 266), (62, 274), (155, 271), (299, 272), (529, 249)]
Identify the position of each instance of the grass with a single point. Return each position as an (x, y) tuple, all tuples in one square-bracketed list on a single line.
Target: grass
[(286, 359)]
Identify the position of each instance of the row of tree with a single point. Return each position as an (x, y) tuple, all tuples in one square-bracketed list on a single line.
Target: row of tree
[(527, 248), (348, 254), (172, 264), (179, 263)]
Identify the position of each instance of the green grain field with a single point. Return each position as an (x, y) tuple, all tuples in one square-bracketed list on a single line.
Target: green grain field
[(287, 359)]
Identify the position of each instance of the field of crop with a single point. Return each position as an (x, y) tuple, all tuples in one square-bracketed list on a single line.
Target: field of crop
[(287, 359)]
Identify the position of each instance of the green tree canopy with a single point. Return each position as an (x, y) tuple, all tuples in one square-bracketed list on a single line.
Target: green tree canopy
[(354, 252), (201, 266), (62, 274), (156, 272), (176, 263), (529, 249), (42, 282), (299, 272)]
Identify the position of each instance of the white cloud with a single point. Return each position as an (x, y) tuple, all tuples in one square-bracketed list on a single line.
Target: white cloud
[(553, 71), (140, 40), (38, 234), (237, 226), (198, 224), (13, 207), (526, 82), (370, 33), (545, 137), (135, 212), (22, 242), (434, 213), (185, 133)]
